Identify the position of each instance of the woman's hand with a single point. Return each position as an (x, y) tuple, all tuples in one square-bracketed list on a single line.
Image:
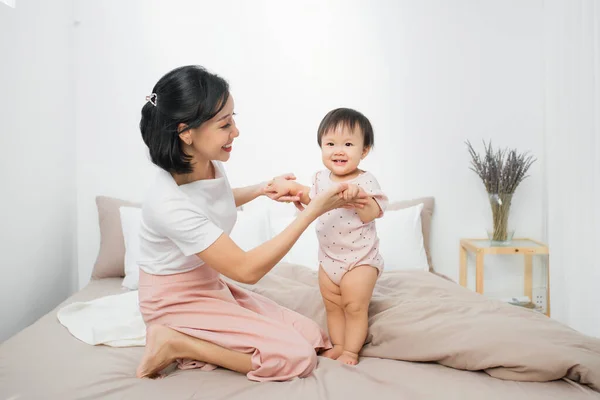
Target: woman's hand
[(283, 189), (334, 198)]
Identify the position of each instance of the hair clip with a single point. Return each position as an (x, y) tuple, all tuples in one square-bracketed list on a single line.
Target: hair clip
[(152, 99)]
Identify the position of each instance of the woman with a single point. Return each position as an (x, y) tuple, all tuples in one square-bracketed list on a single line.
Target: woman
[(190, 312)]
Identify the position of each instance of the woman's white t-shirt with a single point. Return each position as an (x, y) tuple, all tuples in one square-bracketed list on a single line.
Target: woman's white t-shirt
[(180, 221)]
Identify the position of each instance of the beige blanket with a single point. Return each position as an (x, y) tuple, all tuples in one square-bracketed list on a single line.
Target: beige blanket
[(45, 361), (418, 316)]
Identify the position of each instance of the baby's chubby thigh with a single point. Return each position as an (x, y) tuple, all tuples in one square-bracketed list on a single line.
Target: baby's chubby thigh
[(356, 288), (330, 290)]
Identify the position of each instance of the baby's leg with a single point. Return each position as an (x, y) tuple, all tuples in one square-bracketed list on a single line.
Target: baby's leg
[(356, 289), (335, 314)]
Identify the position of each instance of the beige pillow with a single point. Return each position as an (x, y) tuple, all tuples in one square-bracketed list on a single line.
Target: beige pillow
[(110, 260), (426, 215)]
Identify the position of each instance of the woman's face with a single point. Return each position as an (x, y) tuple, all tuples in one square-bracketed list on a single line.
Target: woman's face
[(213, 139)]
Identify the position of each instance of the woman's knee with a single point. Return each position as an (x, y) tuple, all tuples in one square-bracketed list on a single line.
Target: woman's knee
[(301, 360), (307, 361), (297, 360)]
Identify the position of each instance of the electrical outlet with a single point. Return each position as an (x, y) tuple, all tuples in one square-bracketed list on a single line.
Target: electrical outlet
[(539, 298)]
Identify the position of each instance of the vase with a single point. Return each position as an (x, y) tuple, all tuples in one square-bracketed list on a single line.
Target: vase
[(500, 232)]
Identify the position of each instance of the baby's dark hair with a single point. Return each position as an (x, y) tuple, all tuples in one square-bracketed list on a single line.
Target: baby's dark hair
[(190, 95), (350, 118)]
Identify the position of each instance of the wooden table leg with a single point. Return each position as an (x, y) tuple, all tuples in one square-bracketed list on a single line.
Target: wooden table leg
[(463, 266), (529, 277), (479, 272)]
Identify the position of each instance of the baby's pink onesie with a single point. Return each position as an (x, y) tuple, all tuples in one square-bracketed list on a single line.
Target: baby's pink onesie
[(344, 240)]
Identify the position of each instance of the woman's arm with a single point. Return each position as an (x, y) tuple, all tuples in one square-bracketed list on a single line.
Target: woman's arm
[(246, 194), (250, 266)]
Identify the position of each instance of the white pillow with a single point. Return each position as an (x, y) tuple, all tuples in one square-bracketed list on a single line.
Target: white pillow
[(306, 249), (131, 219), (251, 229), (401, 239)]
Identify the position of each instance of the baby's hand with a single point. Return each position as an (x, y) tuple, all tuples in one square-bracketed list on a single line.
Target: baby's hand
[(354, 192)]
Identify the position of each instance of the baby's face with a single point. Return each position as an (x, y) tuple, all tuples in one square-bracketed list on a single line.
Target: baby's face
[(342, 149)]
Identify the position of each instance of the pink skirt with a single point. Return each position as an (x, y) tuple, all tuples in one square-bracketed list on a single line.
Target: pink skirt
[(199, 303)]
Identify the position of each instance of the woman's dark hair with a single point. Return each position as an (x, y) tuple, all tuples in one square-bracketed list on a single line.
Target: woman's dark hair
[(350, 118), (190, 95)]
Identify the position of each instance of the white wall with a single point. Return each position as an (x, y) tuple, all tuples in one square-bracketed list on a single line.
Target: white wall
[(572, 140), (427, 74), (37, 166)]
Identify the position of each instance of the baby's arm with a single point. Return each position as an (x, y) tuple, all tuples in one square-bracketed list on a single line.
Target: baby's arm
[(377, 200), (303, 192), (370, 212), (289, 188), (298, 189)]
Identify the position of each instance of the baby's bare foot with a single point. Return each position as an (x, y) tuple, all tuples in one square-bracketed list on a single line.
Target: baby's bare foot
[(348, 358), (334, 353), (159, 351)]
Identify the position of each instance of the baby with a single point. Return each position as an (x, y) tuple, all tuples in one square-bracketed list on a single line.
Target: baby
[(349, 257)]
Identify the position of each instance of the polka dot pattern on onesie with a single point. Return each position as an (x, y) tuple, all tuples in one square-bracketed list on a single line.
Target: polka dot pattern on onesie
[(354, 243)]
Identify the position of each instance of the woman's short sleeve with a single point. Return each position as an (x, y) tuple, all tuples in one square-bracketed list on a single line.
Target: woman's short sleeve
[(184, 224)]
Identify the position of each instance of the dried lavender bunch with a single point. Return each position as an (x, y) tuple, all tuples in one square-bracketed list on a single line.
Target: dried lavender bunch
[(500, 170)]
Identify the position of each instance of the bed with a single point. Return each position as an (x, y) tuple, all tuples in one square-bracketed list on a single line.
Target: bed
[(44, 361), (455, 344)]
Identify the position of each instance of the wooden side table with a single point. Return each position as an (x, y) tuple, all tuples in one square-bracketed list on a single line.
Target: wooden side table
[(481, 247)]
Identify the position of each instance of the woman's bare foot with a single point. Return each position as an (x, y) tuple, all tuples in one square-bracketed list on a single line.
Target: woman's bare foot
[(334, 353), (160, 352), (348, 358)]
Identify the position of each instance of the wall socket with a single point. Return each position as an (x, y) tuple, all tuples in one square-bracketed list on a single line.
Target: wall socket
[(539, 298)]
